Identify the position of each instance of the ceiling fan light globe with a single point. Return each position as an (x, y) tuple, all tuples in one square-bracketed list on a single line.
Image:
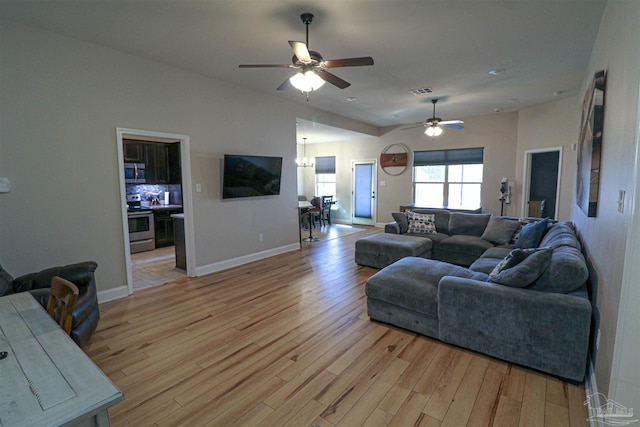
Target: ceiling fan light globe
[(306, 81), (433, 131)]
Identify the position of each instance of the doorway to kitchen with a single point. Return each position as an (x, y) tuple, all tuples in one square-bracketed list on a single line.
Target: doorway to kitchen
[(155, 189)]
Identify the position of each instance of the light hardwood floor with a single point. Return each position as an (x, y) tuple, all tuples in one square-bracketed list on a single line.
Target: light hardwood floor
[(287, 341)]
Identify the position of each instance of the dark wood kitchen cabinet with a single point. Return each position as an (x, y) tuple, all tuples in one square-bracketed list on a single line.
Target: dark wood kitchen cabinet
[(162, 163), (164, 226), (133, 151)]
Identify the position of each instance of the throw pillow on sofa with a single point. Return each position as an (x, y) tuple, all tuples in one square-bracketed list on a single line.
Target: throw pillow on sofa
[(532, 234), (421, 223), (521, 267), (500, 230), (402, 220)]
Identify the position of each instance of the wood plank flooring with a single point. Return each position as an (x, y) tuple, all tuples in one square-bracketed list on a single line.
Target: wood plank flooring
[(286, 341)]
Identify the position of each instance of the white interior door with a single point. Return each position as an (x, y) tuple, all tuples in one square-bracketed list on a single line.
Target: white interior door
[(363, 192)]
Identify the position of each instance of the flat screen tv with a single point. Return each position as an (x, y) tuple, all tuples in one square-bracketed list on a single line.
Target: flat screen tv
[(250, 176)]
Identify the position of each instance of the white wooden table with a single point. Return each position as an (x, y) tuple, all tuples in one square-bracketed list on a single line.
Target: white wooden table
[(46, 379)]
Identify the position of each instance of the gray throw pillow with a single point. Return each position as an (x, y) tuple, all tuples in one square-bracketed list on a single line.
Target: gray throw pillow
[(401, 219), (521, 267), (500, 230), (532, 234)]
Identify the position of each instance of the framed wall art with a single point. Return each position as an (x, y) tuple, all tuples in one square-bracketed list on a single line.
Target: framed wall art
[(590, 145)]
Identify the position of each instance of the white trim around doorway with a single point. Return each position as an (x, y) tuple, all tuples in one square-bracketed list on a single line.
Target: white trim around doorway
[(187, 196), (526, 185)]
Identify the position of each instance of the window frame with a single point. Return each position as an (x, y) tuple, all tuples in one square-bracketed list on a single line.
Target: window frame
[(448, 158)]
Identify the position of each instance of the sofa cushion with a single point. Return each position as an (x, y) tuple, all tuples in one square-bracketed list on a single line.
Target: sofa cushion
[(412, 283), (402, 220), (531, 234), (6, 282), (468, 224), (460, 249), (566, 273), (421, 223), (500, 230), (561, 234), (521, 267)]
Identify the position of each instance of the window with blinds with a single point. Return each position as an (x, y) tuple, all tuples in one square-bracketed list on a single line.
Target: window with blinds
[(448, 178)]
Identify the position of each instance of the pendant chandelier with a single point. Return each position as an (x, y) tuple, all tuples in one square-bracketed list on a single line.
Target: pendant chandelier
[(304, 162)]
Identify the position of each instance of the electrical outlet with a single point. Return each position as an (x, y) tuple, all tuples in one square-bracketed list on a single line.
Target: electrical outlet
[(260, 237), (198, 188)]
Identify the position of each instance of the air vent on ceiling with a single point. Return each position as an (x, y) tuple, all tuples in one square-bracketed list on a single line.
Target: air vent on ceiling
[(421, 91)]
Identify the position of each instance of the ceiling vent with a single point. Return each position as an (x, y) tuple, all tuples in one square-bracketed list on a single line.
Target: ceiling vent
[(421, 91)]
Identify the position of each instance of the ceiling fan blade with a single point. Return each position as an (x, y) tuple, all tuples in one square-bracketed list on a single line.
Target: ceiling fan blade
[(301, 51), (451, 122), (266, 66), (348, 62), (285, 85), (332, 78), (451, 126)]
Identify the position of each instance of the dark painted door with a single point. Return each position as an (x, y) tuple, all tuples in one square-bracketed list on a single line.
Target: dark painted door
[(543, 185)]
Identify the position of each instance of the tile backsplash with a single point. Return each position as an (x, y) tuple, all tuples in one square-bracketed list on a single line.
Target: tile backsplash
[(145, 190)]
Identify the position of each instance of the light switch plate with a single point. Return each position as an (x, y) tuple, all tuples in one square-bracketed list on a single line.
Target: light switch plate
[(621, 195), (5, 185)]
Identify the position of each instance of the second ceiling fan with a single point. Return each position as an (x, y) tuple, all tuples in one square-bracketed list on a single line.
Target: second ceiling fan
[(435, 124), (312, 66)]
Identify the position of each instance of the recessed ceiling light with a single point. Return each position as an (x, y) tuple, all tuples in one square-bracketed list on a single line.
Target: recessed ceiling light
[(497, 71), (351, 98), (559, 92), (497, 110)]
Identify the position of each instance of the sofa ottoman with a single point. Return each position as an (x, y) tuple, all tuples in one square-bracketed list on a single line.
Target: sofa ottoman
[(405, 293), (381, 250)]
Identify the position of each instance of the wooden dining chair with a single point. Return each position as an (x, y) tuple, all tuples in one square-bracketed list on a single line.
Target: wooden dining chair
[(62, 301), (325, 214)]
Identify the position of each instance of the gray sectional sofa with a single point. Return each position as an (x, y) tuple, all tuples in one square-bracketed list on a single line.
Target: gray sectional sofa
[(509, 288)]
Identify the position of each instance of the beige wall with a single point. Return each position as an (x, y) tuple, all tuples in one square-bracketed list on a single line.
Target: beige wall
[(554, 124), (616, 50), (62, 100), (497, 133)]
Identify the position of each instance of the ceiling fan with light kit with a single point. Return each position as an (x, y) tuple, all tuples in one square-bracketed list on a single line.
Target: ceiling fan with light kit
[(435, 124), (312, 67)]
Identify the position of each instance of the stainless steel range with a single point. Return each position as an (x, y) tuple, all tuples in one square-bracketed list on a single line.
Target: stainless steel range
[(141, 231)]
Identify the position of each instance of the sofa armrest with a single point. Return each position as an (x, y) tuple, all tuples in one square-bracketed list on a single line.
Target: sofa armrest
[(392, 227), (80, 274), (542, 330)]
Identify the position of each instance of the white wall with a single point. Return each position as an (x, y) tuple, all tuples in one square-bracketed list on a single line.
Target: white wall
[(554, 124), (62, 100), (617, 51)]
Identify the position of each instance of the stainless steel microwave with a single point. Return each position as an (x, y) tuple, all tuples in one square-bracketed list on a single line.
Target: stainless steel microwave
[(134, 173)]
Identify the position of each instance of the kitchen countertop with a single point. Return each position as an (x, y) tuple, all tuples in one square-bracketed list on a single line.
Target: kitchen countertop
[(161, 207)]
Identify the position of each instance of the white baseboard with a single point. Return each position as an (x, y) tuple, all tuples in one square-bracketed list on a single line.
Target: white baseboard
[(113, 294), (245, 259), (591, 389)]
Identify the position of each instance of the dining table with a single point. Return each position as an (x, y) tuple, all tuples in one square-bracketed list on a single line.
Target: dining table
[(45, 378)]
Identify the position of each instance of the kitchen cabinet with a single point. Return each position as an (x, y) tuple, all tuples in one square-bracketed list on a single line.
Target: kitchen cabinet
[(164, 225), (163, 163), (133, 151)]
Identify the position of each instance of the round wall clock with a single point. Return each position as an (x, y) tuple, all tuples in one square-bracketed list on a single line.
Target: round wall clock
[(394, 159)]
